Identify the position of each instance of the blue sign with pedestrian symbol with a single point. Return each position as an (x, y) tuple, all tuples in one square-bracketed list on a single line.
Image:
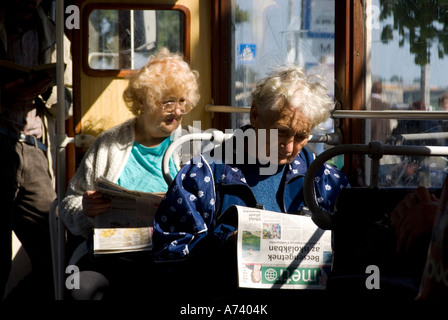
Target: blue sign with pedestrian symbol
[(247, 53)]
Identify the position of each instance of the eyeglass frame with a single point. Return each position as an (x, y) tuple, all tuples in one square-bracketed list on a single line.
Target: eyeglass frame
[(179, 103)]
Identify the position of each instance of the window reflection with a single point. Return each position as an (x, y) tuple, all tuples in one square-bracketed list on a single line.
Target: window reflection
[(408, 61), (277, 32), (408, 52)]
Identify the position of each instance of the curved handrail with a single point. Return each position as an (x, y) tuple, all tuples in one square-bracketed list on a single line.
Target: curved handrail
[(216, 136), (324, 219)]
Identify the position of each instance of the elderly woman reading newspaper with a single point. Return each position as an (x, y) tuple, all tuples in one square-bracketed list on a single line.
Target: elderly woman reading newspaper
[(130, 155), (268, 170)]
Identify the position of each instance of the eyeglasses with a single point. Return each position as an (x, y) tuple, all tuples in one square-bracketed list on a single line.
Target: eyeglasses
[(170, 106)]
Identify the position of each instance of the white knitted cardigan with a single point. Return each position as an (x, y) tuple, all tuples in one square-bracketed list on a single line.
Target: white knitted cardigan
[(106, 157)]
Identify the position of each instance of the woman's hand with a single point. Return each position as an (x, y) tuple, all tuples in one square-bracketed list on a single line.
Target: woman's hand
[(94, 203)]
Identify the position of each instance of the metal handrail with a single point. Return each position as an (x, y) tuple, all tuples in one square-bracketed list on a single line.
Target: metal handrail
[(61, 155), (217, 137), (226, 109), (375, 149), (354, 114), (390, 114), (421, 136)]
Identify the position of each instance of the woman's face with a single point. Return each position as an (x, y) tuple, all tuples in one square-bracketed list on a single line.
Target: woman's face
[(159, 123), (293, 129)]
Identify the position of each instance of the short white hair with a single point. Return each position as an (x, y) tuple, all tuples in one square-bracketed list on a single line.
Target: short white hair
[(308, 93)]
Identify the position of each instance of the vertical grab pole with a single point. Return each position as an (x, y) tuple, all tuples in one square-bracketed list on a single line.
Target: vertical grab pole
[(60, 178)]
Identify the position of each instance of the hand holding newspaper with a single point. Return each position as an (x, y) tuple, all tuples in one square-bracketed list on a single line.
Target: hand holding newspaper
[(277, 250), (128, 224)]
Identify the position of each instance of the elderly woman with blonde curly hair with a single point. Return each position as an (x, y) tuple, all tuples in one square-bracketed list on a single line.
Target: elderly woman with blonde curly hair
[(131, 154)]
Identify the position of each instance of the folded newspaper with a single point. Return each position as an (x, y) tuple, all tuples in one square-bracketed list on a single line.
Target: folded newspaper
[(277, 250), (128, 224)]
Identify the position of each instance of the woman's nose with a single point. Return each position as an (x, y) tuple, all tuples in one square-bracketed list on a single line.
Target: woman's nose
[(178, 112), (287, 145)]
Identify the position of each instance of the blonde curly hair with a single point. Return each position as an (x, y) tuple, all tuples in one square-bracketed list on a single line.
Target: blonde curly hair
[(164, 75), (291, 85)]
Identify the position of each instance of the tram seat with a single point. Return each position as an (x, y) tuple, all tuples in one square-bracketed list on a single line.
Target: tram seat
[(66, 248), (63, 242), (434, 285), (363, 236)]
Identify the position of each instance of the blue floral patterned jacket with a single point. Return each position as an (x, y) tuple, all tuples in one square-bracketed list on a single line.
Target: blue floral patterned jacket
[(203, 189)]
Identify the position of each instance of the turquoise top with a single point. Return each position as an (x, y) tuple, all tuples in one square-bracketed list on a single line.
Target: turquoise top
[(143, 170)]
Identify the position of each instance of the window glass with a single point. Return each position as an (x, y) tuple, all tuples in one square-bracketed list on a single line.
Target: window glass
[(123, 39), (276, 32), (408, 62)]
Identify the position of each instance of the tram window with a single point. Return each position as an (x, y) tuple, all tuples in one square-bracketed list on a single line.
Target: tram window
[(123, 39), (269, 33), (408, 63), (406, 70)]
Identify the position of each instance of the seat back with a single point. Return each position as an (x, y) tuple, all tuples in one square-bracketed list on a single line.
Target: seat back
[(434, 283), (363, 236), (66, 249)]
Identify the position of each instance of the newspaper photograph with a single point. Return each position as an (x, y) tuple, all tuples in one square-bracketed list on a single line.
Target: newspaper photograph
[(285, 251), (128, 225)]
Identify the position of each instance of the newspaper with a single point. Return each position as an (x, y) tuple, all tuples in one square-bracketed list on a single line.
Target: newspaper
[(128, 225), (277, 250)]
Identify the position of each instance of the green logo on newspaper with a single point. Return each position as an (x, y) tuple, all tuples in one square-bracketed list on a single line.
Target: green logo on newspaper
[(279, 275)]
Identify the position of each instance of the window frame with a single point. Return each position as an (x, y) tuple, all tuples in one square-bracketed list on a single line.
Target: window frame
[(222, 53), (124, 73)]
